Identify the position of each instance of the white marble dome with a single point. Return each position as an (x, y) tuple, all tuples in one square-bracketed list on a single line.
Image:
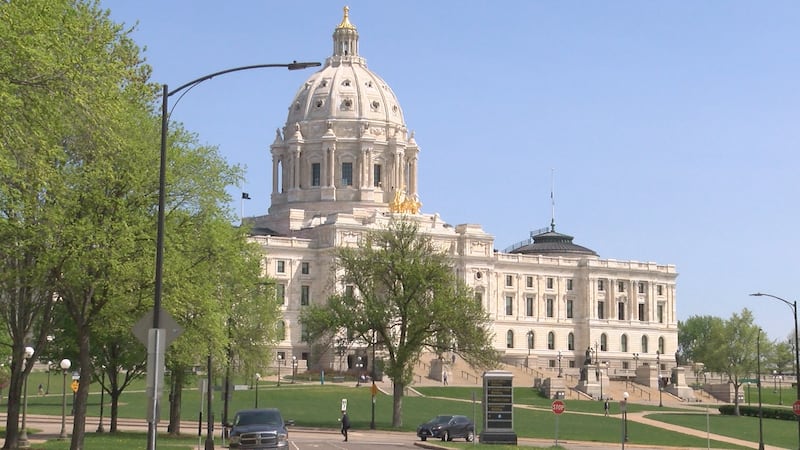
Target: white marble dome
[(345, 88)]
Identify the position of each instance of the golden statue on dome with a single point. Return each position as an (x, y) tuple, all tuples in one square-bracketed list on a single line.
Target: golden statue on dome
[(404, 203)]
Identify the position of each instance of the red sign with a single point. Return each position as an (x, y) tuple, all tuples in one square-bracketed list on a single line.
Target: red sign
[(796, 408), (558, 406)]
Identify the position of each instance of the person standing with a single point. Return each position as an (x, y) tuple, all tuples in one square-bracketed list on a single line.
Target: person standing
[(605, 406), (345, 424)]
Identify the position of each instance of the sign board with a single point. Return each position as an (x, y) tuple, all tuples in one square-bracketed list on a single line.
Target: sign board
[(374, 390), (498, 408), (558, 407), (75, 385), (344, 404), (171, 328), (796, 408)]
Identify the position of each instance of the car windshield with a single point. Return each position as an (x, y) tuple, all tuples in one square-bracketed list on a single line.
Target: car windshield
[(441, 419), (258, 418)]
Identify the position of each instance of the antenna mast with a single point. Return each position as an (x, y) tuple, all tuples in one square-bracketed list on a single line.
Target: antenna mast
[(552, 200)]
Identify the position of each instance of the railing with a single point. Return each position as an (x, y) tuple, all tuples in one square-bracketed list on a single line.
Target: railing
[(633, 387), (469, 377)]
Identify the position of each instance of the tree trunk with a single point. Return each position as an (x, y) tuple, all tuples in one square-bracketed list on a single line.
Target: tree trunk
[(736, 399), (176, 383), (115, 394), (397, 404), (79, 419), (14, 403)]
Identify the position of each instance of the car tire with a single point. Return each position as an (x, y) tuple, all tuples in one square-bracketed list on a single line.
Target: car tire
[(470, 436), (423, 438), (446, 436)]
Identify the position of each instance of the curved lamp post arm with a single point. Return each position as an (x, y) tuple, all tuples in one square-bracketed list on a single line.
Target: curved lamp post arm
[(294, 65), (792, 305)]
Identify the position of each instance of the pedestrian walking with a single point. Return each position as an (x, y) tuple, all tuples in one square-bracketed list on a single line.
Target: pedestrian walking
[(444, 377), (605, 406), (41, 389), (345, 424)]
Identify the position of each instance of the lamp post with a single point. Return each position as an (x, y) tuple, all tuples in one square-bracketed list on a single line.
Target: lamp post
[(100, 428), (279, 358), (359, 364), (658, 374), (780, 390), (258, 378), (635, 362), (294, 368), (374, 388), (162, 181), (23, 435), (623, 406), (758, 383), (774, 381), (792, 305), (560, 373), (530, 346), (65, 364)]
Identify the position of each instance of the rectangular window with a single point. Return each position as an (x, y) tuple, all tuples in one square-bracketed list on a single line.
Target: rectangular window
[(303, 333), (600, 285), (620, 311), (641, 288), (529, 306), (479, 299), (660, 290), (551, 363), (509, 306), (660, 310), (280, 293), (569, 285), (376, 176), (641, 312), (281, 267), (600, 310), (549, 283), (315, 174), (621, 286), (347, 174), (305, 268), (571, 364), (569, 309), (509, 280), (305, 294), (550, 307), (625, 365), (529, 282), (349, 291)]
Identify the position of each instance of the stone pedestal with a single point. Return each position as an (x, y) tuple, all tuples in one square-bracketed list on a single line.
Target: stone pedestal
[(596, 379), (554, 388), (677, 385)]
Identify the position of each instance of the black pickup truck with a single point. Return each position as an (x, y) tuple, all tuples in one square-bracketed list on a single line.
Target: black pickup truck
[(257, 429)]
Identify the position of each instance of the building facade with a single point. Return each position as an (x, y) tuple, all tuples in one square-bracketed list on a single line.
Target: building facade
[(345, 163)]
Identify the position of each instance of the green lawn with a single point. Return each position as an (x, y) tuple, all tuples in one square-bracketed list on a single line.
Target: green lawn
[(316, 405), (778, 433)]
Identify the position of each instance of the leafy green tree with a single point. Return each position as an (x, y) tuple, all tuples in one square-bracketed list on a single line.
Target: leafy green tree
[(407, 294), (696, 337), (782, 355)]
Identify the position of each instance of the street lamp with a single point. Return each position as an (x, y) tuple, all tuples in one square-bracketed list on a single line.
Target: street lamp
[(636, 362), (258, 378), (623, 406), (65, 364), (100, 428), (658, 373), (560, 373), (374, 389), (162, 181), (294, 368), (774, 381), (792, 305), (23, 435), (280, 360), (530, 346), (358, 371)]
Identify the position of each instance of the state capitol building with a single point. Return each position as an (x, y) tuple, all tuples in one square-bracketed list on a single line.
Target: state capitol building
[(345, 163)]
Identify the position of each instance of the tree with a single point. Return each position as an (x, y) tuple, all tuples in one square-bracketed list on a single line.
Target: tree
[(782, 355), (407, 297), (696, 337)]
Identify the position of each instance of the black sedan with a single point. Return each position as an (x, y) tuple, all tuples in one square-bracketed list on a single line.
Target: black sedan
[(447, 428)]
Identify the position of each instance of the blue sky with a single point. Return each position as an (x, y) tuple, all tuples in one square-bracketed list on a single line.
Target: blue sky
[(672, 128)]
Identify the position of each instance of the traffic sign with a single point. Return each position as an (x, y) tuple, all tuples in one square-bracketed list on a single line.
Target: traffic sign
[(796, 408), (558, 407), (374, 390), (75, 384)]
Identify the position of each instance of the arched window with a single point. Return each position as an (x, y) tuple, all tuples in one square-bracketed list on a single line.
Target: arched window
[(571, 341), (661, 345), (510, 339), (623, 343), (530, 340), (281, 331), (603, 342), (551, 340), (644, 344)]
